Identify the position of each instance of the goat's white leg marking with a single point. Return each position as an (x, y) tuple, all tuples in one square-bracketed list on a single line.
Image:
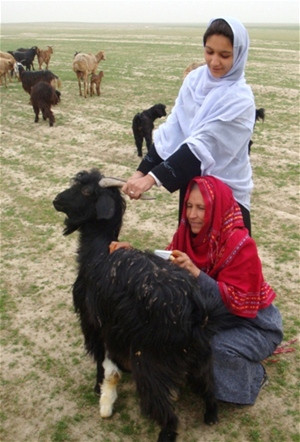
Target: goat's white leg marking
[(108, 393)]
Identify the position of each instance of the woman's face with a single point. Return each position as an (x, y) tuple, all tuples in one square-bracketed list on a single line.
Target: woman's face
[(195, 210), (218, 53)]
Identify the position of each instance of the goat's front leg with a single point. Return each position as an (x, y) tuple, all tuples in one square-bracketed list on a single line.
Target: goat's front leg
[(108, 393)]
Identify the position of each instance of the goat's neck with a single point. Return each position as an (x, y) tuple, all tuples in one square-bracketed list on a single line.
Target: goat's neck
[(94, 240)]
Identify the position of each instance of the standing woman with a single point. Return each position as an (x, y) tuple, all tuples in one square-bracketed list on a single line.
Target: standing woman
[(210, 126)]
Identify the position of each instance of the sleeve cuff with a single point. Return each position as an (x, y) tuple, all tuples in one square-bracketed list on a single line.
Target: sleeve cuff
[(158, 183)]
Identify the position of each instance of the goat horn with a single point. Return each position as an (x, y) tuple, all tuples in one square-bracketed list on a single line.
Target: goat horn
[(146, 197), (111, 182), (118, 182)]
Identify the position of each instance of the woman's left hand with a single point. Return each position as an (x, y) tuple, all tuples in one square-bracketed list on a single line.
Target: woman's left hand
[(182, 260)]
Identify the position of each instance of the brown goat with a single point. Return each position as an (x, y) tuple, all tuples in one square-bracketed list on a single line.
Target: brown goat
[(96, 80), (191, 67), (6, 66), (43, 95), (10, 57), (83, 66), (44, 55)]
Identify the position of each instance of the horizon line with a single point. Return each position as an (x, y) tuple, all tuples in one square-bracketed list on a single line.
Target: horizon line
[(139, 23)]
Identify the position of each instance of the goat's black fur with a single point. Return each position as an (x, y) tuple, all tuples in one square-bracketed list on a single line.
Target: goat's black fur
[(143, 125), (42, 97), (25, 56), (259, 115), (148, 314), (29, 79)]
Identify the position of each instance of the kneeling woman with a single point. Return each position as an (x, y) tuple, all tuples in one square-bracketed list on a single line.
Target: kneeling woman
[(213, 244)]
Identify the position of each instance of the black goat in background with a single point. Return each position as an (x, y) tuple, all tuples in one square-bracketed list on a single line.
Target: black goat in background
[(143, 125), (259, 115), (138, 311)]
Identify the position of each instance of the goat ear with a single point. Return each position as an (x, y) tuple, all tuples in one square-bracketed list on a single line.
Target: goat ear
[(105, 207)]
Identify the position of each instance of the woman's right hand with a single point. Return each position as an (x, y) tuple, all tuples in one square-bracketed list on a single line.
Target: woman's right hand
[(137, 185), (126, 187), (115, 245), (184, 261)]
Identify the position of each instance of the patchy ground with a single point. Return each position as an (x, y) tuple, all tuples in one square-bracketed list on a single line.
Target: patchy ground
[(47, 380)]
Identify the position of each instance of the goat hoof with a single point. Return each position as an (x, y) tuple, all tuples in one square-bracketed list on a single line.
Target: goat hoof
[(167, 436), (106, 411), (97, 389), (210, 418)]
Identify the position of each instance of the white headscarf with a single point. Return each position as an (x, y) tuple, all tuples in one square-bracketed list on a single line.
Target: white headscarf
[(203, 104), (240, 55)]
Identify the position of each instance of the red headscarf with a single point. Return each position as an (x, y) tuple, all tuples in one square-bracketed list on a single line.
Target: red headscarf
[(224, 250)]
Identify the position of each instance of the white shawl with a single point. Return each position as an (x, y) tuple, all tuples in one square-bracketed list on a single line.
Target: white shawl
[(215, 117)]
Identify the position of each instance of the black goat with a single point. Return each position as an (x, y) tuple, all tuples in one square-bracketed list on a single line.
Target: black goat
[(42, 97), (143, 125), (29, 79), (144, 313), (25, 56), (259, 115)]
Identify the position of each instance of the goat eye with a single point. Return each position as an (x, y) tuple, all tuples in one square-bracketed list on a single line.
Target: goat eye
[(85, 191)]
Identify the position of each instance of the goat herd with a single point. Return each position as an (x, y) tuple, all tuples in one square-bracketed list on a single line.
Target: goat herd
[(42, 86)]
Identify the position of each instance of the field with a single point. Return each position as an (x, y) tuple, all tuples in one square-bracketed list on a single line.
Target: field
[(47, 380)]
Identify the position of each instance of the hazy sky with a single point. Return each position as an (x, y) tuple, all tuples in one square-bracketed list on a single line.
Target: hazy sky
[(151, 11)]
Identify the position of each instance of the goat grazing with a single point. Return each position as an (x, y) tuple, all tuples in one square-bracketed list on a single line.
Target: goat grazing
[(143, 125), (96, 81), (42, 97), (83, 66), (29, 79), (137, 311), (43, 56)]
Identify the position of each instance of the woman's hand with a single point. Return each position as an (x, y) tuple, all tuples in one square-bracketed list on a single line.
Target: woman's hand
[(115, 245), (137, 185), (182, 260)]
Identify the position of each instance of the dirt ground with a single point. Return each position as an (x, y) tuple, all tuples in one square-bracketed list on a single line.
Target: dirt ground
[(47, 379)]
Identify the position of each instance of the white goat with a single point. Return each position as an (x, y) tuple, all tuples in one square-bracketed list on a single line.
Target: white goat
[(83, 66)]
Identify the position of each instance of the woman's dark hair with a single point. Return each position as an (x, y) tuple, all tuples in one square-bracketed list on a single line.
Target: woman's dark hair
[(219, 27)]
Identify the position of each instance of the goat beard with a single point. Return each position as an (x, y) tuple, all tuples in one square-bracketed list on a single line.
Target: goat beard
[(71, 226)]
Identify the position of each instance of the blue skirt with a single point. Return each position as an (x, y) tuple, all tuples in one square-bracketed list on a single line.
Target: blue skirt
[(237, 356)]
